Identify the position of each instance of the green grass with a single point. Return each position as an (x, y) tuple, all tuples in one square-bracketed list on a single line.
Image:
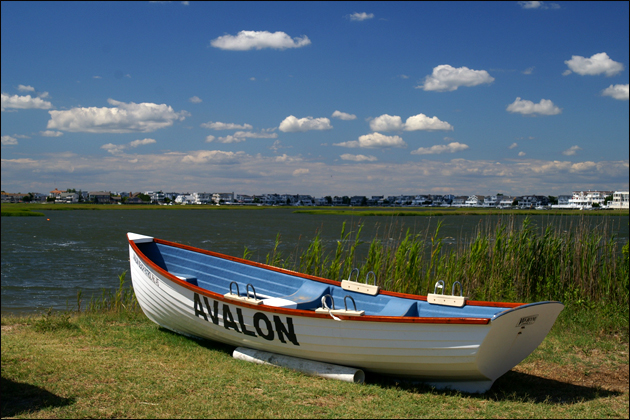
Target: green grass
[(26, 207), (119, 364), (9, 211), (449, 211)]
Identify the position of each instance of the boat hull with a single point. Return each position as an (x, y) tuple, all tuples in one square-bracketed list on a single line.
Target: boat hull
[(459, 354)]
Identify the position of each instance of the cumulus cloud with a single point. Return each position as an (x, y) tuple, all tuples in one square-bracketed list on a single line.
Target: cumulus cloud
[(597, 64), (240, 136), (358, 158), (115, 149), (571, 150), (521, 154), (360, 16), (247, 40), (344, 116), (446, 78), (195, 100), (422, 122), (226, 126), (51, 133), (22, 102), (440, 148), (142, 142), (544, 107), (212, 156), (616, 91), (122, 118), (9, 141), (513, 145), (293, 124), (301, 171), (23, 88), (386, 122), (374, 140), (414, 123), (538, 5)]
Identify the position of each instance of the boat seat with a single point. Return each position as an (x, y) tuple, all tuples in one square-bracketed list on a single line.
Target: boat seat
[(190, 278), (396, 307), (308, 296)]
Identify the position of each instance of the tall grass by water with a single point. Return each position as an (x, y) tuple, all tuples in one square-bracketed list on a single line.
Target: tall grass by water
[(581, 263)]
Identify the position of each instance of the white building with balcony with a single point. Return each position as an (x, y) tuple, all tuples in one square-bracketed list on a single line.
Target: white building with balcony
[(620, 200)]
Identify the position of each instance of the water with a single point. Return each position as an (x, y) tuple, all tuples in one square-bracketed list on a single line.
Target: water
[(45, 262)]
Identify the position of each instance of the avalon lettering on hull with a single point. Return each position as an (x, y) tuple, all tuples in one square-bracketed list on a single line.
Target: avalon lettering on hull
[(263, 326)]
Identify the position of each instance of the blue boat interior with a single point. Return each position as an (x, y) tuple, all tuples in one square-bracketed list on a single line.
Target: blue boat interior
[(219, 275)]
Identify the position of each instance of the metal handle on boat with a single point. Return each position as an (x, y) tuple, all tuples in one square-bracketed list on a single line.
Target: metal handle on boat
[(439, 284), (346, 303), (238, 293), (367, 277), (332, 301), (461, 291), (253, 290), (352, 272)]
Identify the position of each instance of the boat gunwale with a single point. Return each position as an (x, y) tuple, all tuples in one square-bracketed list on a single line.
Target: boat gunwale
[(308, 313)]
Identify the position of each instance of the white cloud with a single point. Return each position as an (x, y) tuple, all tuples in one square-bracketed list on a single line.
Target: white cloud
[(386, 122), (240, 136), (287, 159), (544, 107), (23, 88), (122, 118), (51, 133), (571, 150), (344, 116), (113, 148), (9, 141), (292, 124), (440, 148), (617, 91), (142, 142), (513, 145), (528, 70), (538, 5), (360, 16), (358, 158), (422, 122), (119, 148), (195, 100), (247, 40), (212, 156), (414, 123), (300, 171), (521, 154), (226, 126), (447, 78), (374, 140), (22, 102), (597, 64), (210, 138)]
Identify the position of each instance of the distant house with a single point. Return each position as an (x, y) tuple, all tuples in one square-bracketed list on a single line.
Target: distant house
[(12, 197), (474, 201), (99, 197), (459, 201)]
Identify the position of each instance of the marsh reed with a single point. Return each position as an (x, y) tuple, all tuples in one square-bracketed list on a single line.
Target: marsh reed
[(505, 261)]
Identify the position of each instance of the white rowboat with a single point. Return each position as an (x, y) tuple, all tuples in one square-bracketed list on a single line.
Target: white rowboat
[(446, 341)]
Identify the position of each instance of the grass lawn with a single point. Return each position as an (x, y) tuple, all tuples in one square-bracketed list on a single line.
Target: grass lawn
[(122, 365)]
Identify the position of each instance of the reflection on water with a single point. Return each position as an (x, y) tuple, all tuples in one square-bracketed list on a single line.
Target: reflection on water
[(45, 263)]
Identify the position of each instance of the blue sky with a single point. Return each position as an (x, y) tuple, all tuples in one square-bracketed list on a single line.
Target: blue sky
[(325, 98)]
